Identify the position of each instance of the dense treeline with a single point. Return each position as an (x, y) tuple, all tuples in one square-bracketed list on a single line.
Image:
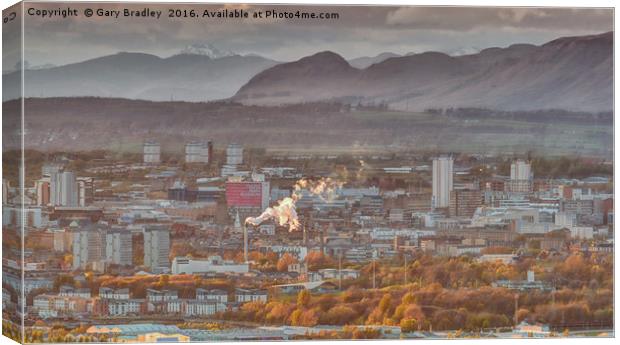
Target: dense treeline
[(120, 125), (453, 294), (562, 167), (429, 293), (543, 116), (434, 308)]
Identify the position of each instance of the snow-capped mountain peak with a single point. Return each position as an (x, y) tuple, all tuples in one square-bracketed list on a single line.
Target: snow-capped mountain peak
[(206, 49)]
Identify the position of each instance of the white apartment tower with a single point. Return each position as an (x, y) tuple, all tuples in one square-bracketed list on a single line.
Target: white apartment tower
[(442, 181), (152, 152), (520, 170), (234, 154), (63, 189), (520, 177), (118, 247), (157, 248), (198, 152), (87, 247), (85, 190)]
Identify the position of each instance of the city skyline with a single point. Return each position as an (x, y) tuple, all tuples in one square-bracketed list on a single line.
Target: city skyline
[(208, 196), (492, 205)]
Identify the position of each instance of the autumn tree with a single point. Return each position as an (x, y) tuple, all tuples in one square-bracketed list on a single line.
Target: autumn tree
[(408, 325), (317, 260), (277, 312), (306, 318), (286, 260), (303, 298), (340, 315)]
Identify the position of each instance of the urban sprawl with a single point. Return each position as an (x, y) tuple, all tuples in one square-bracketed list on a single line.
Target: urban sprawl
[(238, 243)]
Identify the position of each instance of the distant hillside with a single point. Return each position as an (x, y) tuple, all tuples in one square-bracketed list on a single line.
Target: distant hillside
[(121, 125), (366, 61), (192, 76), (571, 73)]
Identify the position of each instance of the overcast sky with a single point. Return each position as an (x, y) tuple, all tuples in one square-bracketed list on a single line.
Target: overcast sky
[(360, 31)]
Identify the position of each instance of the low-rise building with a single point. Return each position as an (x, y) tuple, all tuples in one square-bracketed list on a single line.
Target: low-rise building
[(527, 330), (503, 258), (185, 265), (250, 295), (157, 337), (114, 294), (333, 273), (47, 305), (202, 307), (70, 291), (524, 285), (125, 307), (212, 295), (155, 296)]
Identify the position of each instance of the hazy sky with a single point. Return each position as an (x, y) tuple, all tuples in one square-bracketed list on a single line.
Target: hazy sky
[(360, 31)]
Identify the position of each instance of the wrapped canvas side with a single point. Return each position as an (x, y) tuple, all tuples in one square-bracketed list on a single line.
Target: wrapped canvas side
[(13, 199)]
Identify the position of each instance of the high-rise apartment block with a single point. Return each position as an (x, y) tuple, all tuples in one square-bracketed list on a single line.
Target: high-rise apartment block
[(98, 245), (157, 248), (87, 246), (198, 152), (442, 181), (118, 247), (520, 177), (85, 190), (63, 189), (152, 152), (234, 154)]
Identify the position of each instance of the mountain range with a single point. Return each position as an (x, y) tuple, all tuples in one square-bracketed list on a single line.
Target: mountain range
[(198, 73), (367, 61), (206, 49), (571, 73)]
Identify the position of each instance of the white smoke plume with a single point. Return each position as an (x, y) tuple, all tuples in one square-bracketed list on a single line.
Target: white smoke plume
[(286, 213), (325, 188)]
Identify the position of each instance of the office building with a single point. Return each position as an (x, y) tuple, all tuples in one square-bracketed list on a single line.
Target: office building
[(214, 264), (42, 189), (464, 202), (178, 191), (247, 194), (19, 216)]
